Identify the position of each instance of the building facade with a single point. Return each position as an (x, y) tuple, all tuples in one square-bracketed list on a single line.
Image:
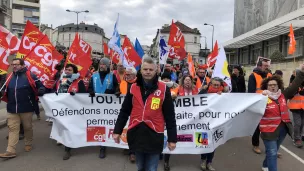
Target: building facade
[(92, 34), (23, 10), (6, 13), (261, 28), (192, 39)]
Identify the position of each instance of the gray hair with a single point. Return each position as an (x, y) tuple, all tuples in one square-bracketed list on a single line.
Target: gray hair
[(132, 70), (149, 60)]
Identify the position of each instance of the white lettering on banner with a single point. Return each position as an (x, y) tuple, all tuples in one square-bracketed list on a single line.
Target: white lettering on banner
[(203, 122), (84, 45), (27, 44)]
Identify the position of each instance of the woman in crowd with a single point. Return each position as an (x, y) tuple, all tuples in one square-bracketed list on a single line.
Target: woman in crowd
[(216, 85), (276, 123), (70, 83)]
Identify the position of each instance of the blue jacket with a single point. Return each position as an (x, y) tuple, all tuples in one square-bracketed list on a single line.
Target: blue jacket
[(21, 97)]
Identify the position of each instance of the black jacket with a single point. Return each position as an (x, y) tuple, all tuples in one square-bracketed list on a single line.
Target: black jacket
[(142, 138), (240, 83), (252, 81), (21, 97), (102, 77)]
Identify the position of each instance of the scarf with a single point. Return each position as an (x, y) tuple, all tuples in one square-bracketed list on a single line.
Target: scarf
[(272, 95), (66, 81), (211, 89)]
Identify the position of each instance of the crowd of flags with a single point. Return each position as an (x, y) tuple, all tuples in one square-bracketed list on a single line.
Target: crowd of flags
[(41, 56)]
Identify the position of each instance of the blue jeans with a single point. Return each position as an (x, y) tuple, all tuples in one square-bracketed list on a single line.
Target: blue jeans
[(146, 161), (272, 148)]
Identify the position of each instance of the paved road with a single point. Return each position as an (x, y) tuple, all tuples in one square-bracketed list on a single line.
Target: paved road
[(235, 155)]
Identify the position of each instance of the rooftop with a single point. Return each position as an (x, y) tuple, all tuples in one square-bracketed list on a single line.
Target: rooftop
[(182, 27)]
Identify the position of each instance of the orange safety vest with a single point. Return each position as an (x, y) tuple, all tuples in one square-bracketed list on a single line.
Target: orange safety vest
[(259, 80), (274, 114), (297, 102), (199, 83), (174, 90)]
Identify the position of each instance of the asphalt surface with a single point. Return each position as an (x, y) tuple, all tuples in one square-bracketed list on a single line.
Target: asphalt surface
[(235, 155)]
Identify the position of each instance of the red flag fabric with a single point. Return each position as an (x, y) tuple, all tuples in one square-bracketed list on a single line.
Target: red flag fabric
[(41, 61), (80, 55), (292, 42), (191, 65), (4, 53), (30, 38), (177, 43), (12, 41), (106, 50), (211, 60), (115, 57), (130, 53)]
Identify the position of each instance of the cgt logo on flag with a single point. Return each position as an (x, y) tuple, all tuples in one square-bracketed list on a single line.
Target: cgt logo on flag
[(96, 134)]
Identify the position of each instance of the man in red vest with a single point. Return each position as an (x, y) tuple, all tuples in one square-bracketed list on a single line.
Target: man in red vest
[(22, 89), (149, 105)]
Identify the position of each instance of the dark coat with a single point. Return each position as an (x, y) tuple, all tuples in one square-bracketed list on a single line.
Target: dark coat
[(141, 138), (239, 82), (21, 96)]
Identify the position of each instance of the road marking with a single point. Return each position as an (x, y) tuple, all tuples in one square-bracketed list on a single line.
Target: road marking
[(293, 154)]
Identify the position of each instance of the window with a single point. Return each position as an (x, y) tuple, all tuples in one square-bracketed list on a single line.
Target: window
[(86, 28), (244, 56), (32, 19), (31, 9), (272, 48), (195, 39)]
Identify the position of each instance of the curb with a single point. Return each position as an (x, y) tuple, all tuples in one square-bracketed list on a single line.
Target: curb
[(3, 122)]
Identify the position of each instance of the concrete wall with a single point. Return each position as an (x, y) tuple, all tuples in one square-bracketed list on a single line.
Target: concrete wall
[(250, 14), (286, 67), (18, 16)]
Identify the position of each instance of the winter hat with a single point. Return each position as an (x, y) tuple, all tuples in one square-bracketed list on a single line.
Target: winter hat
[(105, 61), (166, 75)]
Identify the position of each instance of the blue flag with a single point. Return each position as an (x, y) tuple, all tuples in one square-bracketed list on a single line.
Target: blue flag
[(139, 51)]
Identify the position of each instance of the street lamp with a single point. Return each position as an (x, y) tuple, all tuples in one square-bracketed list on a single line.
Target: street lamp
[(205, 41), (212, 32), (77, 12)]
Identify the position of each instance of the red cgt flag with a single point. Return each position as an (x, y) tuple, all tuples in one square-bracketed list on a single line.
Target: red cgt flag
[(211, 60), (30, 38), (130, 53), (177, 43), (41, 61), (80, 55), (4, 53), (115, 57), (12, 41)]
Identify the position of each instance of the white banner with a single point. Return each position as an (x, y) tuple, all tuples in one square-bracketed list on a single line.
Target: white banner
[(203, 122)]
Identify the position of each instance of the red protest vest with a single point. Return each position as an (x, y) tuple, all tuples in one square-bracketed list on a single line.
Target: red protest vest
[(181, 91), (30, 80), (73, 87), (274, 114), (149, 112)]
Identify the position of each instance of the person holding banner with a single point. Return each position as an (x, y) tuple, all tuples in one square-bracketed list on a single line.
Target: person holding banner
[(103, 82), (70, 83), (254, 86), (166, 78), (187, 87), (149, 105), (276, 124), (201, 78), (129, 79), (216, 85), (22, 89)]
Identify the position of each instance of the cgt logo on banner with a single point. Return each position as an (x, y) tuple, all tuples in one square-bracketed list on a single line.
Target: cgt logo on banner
[(203, 122), (96, 134)]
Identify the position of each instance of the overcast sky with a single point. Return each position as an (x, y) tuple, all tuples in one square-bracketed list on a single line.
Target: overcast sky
[(142, 18)]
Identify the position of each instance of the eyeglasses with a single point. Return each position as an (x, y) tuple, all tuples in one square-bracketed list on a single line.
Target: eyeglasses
[(216, 85), (15, 64), (272, 85)]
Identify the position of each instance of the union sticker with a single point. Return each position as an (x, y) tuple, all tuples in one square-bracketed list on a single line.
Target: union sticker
[(155, 103)]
